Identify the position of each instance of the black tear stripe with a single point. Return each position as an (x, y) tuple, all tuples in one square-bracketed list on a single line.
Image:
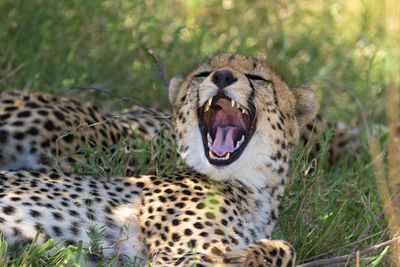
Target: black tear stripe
[(276, 99), (256, 77), (250, 101)]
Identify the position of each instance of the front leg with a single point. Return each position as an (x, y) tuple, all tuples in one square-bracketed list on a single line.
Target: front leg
[(265, 252)]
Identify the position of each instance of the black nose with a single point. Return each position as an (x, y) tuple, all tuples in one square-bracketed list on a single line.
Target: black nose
[(223, 78)]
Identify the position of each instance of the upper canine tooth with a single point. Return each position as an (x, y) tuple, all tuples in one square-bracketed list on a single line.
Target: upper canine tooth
[(227, 155), (232, 102), (210, 101), (206, 107)]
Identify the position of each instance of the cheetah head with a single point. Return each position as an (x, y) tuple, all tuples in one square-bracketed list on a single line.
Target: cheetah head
[(235, 119)]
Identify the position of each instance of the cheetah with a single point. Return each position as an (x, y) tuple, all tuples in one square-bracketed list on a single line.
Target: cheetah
[(236, 124), (38, 130)]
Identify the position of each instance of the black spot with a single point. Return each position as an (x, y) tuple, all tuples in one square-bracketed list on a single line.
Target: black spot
[(3, 117), (273, 252), (170, 211), (33, 131), (32, 105), (187, 192), (219, 232), (45, 144), (54, 176), (58, 115), (198, 225), (179, 205), (35, 213), (57, 216), (3, 136), (214, 201), (11, 108), (68, 138), (24, 114), (175, 237), (49, 125), (73, 213), (188, 232), (43, 112), (200, 206), (17, 123), (34, 198), (210, 215), (19, 135), (18, 148), (189, 212), (8, 210), (216, 251), (57, 231)]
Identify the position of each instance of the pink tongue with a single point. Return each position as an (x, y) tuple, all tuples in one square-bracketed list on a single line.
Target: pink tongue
[(223, 142)]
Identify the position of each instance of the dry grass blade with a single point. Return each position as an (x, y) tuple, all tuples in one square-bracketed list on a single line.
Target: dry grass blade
[(160, 68), (350, 256)]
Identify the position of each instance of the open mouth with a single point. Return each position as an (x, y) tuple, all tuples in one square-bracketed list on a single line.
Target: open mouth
[(226, 127)]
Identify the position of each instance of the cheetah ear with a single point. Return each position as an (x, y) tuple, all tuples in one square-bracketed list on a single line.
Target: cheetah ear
[(174, 87), (306, 105)]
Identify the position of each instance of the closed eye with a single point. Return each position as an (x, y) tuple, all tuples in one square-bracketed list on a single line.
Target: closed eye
[(203, 74), (257, 78)]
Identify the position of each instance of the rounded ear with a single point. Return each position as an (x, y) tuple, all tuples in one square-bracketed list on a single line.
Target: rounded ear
[(174, 87), (306, 105)]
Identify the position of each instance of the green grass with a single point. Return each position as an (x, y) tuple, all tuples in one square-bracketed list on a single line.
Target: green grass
[(342, 49)]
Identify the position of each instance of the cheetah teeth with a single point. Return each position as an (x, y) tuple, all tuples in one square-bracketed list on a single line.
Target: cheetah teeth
[(209, 140), (208, 103), (239, 143), (226, 157)]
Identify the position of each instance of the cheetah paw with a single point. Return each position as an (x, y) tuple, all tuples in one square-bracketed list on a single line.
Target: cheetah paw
[(264, 252)]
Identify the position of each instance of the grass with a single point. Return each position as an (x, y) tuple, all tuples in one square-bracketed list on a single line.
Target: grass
[(348, 51)]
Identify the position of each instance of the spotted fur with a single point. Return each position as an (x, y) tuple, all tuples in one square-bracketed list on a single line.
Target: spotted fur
[(36, 128)]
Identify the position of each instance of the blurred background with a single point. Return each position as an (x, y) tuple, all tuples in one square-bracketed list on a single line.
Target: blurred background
[(346, 50)]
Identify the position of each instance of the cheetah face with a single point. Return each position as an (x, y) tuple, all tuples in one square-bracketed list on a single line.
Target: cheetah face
[(235, 119)]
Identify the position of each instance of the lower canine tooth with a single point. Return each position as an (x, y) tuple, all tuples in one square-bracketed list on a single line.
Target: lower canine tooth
[(227, 155), (237, 145)]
